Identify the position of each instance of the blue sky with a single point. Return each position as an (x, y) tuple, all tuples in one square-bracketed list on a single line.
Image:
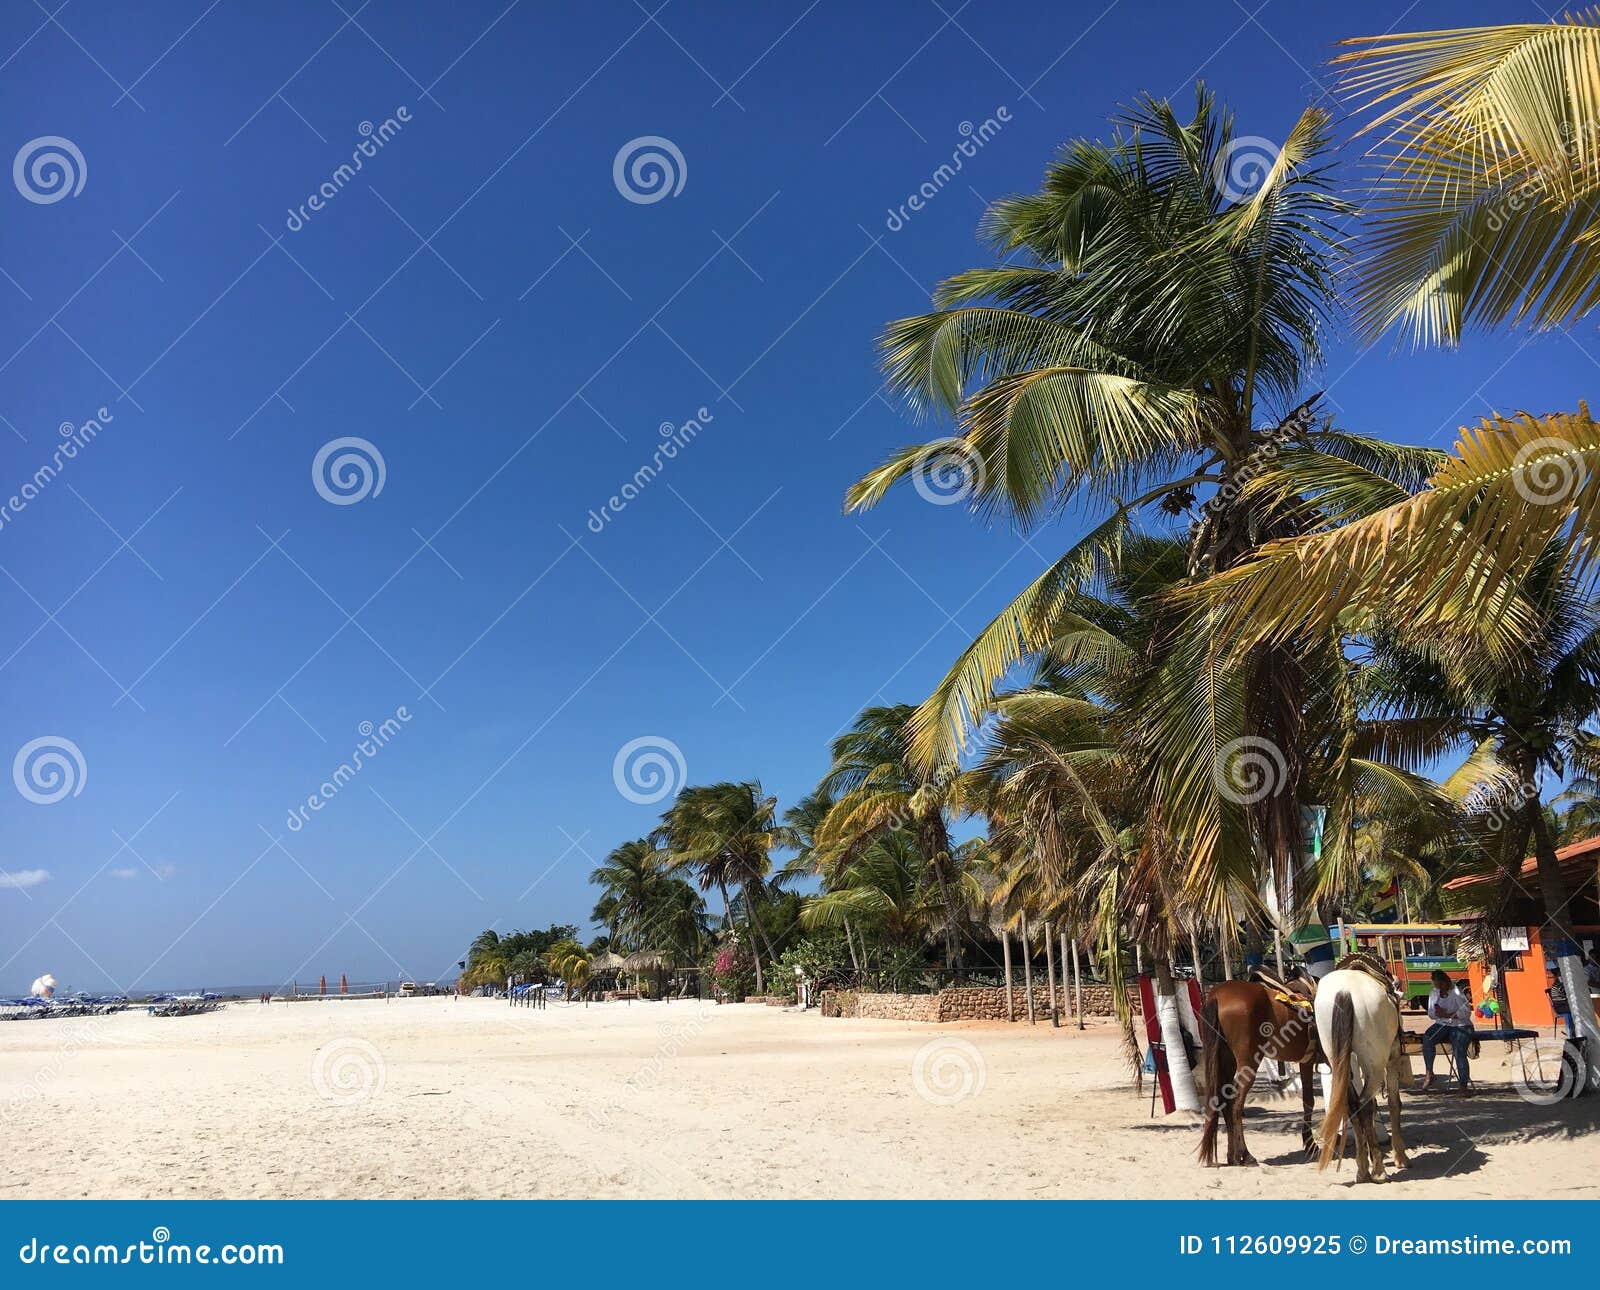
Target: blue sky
[(485, 306)]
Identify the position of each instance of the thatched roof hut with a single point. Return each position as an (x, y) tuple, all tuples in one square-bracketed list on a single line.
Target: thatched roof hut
[(646, 960)]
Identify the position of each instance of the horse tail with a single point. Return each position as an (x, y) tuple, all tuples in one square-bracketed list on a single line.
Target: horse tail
[(1341, 1041), (1217, 1063)]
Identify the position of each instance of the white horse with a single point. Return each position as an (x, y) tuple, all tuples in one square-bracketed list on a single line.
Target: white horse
[(1358, 1020)]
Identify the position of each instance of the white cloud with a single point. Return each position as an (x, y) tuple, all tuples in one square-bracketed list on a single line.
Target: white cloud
[(124, 873), (22, 879)]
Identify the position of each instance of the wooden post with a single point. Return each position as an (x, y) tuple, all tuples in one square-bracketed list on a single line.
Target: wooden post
[(1027, 967), (1194, 949), (1227, 959), (1077, 978), (1050, 972), (1005, 945)]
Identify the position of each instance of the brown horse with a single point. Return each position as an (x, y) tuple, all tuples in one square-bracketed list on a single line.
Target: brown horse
[(1244, 1023)]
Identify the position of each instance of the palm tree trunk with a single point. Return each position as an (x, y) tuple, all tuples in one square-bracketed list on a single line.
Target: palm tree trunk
[(935, 840), (850, 942), (1185, 1096), (1565, 951), (1005, 946), (757, 940), (1077, 980), (757, 930), (1027, 967), (1066, 984), (1050, 972)]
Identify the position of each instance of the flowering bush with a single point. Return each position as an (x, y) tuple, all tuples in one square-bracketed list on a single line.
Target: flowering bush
[(733, 972)]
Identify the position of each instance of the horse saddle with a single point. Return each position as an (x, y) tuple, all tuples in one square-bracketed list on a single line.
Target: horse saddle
[(1372, 966), (1297, 991)]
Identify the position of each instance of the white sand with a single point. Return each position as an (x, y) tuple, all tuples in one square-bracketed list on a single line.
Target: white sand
[(439, 1097)]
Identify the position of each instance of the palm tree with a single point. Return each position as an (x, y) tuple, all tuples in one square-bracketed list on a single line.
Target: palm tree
[(644, 907), (630, 882), (1487, 209), (878, 790), (1131, 358), (1514, 672), (1581, 817), (725, 835), (571, 963), (1531, 706), (1080, 789), (884, 891), (488, 961)]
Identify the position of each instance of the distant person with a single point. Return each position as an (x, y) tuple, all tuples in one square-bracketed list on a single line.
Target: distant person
[(1450, 1016)]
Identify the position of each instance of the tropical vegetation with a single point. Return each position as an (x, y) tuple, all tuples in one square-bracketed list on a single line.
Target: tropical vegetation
[(1274, 626)]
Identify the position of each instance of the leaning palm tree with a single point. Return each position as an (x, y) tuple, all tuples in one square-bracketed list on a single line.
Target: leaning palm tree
[(1486, 209), (1151, 351), (725, 835)]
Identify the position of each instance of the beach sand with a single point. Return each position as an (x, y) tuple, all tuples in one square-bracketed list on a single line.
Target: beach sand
[(457, 1098)]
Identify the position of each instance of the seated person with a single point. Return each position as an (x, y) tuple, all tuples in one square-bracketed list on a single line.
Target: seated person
[(1451, 1016)]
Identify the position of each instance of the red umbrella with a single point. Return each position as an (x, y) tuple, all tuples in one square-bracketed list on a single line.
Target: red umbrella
[(343, 988), (322, 985)]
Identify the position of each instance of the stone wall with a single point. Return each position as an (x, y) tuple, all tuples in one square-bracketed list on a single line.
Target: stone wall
[(967, 1003)]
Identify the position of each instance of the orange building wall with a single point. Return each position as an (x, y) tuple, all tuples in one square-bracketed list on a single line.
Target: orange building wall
[(1525, 987)]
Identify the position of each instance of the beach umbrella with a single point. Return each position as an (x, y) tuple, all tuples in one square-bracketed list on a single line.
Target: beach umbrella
[(322, 985), (344, 988)]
